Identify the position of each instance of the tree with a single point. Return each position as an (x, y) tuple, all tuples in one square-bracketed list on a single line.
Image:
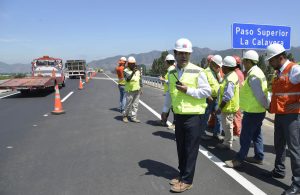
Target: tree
[(203, 62), (291, 57), (158, 67)]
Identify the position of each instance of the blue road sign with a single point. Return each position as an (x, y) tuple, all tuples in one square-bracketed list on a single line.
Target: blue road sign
[(255, 36)]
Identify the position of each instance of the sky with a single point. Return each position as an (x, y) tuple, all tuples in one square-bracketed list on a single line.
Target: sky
[(96, 29)]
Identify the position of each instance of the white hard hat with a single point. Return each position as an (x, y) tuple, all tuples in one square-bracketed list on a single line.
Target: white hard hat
[(217, 59), (170, 57), (131, 59), (183, 45), (123, 59), (251, 55), (229, 61), (273, 50)]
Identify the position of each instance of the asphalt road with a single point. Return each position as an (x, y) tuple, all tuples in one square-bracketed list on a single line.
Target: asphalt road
[(89, 150)]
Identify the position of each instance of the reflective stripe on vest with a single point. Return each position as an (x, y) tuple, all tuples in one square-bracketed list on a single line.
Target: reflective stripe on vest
[(248, 101), (181, 102), (233, 105), (284, 93), (213, 82), (134, 83)]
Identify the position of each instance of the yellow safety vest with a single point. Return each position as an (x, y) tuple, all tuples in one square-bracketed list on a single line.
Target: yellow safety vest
[(213, 82), (233, 105), (248, 102), (166, 87), (134, 83), (181, 102)]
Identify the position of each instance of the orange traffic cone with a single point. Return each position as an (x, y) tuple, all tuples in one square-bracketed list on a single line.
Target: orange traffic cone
[(87, 78), (80, 84), (57, 103)]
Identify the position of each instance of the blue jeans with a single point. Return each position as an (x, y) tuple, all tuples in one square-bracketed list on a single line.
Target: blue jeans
[(211, 107), (122, 97), (251, 131)]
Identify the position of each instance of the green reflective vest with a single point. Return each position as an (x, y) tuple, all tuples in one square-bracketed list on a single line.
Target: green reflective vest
[(181, 102), (166, 87), (233, 105), (248, 102), (134, 83), (213, 82)]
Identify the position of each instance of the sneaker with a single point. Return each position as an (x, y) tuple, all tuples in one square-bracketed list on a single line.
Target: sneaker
[(253, 160), (223, 146), (174, 181), (135, 120), (171, 127), (233, 163), (125, 119), (206, 137), (181, 187)]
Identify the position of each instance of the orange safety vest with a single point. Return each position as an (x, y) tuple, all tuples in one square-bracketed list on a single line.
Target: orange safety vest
[(284, 93)]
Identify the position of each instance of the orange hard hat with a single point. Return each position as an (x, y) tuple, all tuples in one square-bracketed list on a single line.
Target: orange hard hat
[(237, 59)]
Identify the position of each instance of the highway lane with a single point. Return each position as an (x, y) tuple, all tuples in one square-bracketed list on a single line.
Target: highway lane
[(89, 150)]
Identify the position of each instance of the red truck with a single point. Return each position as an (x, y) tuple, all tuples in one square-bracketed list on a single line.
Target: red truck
[(46, 72)]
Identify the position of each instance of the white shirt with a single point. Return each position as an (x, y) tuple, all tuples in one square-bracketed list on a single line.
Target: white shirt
[(294, 75), (203, 89)]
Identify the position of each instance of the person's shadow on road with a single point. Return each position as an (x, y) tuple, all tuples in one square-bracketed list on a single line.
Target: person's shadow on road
[(165, 134), (158, 169)]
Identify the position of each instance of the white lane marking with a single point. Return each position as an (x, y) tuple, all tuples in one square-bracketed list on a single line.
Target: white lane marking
[(45, 115), (67, 96), (10, 95), (231, 172), (9, 147)]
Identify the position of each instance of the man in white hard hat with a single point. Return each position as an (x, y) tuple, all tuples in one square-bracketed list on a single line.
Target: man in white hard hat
[(133, 87), (188, 90), (214, 79), (228, 100), (254, 102), (121, 82), (170, 65), (285, 103)]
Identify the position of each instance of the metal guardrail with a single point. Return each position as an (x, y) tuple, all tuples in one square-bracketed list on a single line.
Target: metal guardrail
[(153, 82)]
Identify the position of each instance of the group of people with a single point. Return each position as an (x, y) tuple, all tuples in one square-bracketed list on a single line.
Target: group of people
[(219, 91)]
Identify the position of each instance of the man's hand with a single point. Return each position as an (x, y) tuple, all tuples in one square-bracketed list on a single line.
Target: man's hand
[(218, 111), (161, 78), (182, 88), (210, 99), (164, 116)]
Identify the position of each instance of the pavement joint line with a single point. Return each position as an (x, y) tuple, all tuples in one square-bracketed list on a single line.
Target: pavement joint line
[(10, 95), (67, 96), (231, 172)]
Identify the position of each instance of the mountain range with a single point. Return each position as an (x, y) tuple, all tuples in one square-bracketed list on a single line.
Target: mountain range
[(196, 57), (143, 58)]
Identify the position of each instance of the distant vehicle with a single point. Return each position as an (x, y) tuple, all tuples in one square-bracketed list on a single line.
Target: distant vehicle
[(76, 68), (46, 73)]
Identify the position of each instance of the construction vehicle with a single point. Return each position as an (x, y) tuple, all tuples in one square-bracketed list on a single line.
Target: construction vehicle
[(76, 68), (46, 73)]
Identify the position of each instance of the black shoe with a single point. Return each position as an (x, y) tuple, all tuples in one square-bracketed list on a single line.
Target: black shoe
[(294, 189), (277, 175)]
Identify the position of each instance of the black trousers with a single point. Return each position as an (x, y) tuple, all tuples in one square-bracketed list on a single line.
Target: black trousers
[(187, 132), (287, 132)]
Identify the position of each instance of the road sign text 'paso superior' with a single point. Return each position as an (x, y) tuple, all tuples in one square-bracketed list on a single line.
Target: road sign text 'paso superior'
[(254, 36)]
